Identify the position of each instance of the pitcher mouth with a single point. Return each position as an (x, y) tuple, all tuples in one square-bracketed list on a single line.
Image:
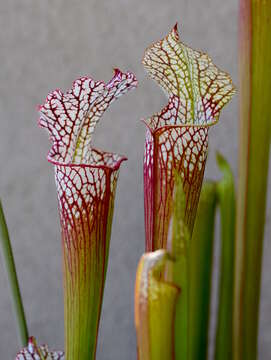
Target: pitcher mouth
[(159, 127), (70, 119), (98, 159)]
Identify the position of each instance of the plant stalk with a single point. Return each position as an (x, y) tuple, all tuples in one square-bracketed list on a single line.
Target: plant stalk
[(9, 264), (177, 271), (255, 94), (200, 273), (226, 200)]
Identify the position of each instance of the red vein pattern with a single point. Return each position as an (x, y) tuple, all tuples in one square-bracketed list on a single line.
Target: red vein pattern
[(34, 352), (169, 150), (86, 180), (70, 118), (177, 136)]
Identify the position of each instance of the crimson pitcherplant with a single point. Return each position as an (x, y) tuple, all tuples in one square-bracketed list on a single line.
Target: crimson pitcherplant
[(34, 352), (176, 151), (86, 180), (167, 295), (177, 136)]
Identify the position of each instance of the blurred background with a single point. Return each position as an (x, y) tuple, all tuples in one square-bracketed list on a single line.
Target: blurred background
[(46, 45)]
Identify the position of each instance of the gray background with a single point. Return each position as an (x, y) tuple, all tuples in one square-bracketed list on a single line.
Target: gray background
[(47, 44)]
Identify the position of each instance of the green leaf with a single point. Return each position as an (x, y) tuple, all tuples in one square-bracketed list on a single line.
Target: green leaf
[(8, 261), (255, 129), (191, 271), (226, 199), (155, 302), (177, 271), (200, 272)]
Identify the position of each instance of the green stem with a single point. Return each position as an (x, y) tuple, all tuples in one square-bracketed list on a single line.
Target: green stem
[(180, 279), (177, 271), (255, 93), (200, 273), (191, 272), (9, 264), (226, 199)]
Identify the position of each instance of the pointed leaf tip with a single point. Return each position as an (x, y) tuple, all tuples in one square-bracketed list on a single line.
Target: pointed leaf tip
[(176, 30), (222, 163)]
